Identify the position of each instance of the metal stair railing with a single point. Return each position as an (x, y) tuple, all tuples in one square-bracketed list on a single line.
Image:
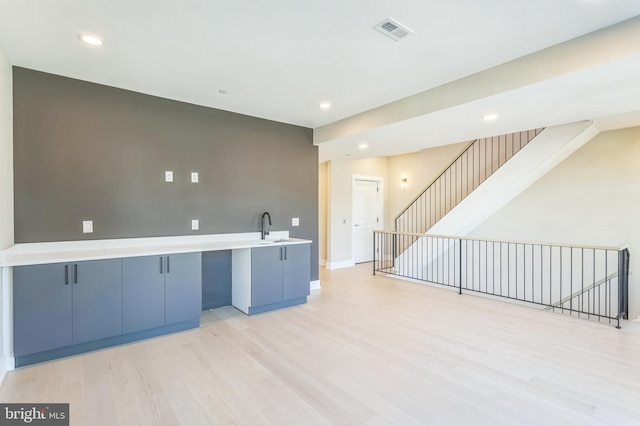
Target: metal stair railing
[(477, 161), (585, 281)]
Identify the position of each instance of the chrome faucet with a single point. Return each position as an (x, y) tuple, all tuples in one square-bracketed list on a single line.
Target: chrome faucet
[(265, 233)]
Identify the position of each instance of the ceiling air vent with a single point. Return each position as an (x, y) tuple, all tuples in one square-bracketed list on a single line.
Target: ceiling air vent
[(393, 29)]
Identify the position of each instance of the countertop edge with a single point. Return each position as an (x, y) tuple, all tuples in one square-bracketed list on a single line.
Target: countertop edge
[(12, 257)]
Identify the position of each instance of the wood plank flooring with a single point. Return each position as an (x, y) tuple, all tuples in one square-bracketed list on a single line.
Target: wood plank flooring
[(364, 350)]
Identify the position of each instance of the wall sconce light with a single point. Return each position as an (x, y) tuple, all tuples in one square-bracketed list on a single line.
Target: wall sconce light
[(403, 182)]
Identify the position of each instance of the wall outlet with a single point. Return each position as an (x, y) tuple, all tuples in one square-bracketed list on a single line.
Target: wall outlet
[(87, 226), (195, 224), (194, 177), (295, 221), (168, 176)]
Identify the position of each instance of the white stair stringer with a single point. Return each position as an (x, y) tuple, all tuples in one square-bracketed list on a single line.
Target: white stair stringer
[(537, 158)]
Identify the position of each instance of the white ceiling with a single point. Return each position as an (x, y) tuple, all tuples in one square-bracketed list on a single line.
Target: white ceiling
[(277, 60)]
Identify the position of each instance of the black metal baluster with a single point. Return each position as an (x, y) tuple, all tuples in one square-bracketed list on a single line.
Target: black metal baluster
[(581, 303), (550, 275), (516, 271), (561, 276), (571, 284)]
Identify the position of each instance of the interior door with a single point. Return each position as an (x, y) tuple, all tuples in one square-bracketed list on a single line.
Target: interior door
[(366, 218)]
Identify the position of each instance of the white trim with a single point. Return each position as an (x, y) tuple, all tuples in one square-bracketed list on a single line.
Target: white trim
[(322, 262), (70, 251), (7, 362), (314, 285), (241, 279), (341, 264), (3, 369)]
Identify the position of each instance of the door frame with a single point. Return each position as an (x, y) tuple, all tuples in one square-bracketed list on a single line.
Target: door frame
[(380, 181)]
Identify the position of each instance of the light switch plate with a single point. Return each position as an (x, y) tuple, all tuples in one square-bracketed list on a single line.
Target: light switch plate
[(295, 221), (194, 177), (195, 224), (87, 226), (168, 176)]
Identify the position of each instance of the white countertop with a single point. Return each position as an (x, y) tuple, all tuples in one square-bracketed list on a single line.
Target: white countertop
[(72, 251)]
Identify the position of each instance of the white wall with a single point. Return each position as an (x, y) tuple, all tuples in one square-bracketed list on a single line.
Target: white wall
[(322, 213), (591, 198), (6, 177), (339, 196)]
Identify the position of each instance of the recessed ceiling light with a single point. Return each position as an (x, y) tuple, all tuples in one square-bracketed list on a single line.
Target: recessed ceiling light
[(324, 105), (91, 40), (363, 146), (490, 117)]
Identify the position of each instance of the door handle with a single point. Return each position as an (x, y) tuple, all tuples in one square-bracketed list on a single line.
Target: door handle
[(66, 274), (75, 273), (161, 269), (168, 265), (285, 252)]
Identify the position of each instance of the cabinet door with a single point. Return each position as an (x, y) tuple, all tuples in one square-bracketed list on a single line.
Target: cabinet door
[(266, 275), (183, 287), (142, 293), (97, 299), (296, 272), (41, 308)]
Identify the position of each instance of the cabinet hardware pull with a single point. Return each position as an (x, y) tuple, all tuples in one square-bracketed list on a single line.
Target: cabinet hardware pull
[(161, 259), (75, 273), (168, 265), (280, 253), (285, 253), (66, 274)]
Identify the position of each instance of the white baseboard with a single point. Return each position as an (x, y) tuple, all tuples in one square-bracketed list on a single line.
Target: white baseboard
[(340, 265), (7, 363), (3, 369), (323, 262), (314, 285)]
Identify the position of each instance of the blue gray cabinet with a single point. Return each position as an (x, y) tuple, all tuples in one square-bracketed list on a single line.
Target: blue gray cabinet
[(161, 290), (42, 314), (97, 299), (61, 304), (143, 293), (296, 271), (183, 287), (279, 276), (266, 275)]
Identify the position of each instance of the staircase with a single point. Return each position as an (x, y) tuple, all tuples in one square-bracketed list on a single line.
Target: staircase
[(488, 174), (584, 281), (477, 161)]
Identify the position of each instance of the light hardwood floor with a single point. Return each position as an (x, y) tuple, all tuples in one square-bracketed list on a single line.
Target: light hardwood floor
[(364, 350)]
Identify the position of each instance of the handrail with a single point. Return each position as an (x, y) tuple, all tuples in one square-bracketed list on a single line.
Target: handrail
[(588, 281), (583, 291), (539, 243), (478, 160), (444, 170)]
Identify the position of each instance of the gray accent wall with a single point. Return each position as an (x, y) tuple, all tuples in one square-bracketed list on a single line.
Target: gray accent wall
[(84, 151)]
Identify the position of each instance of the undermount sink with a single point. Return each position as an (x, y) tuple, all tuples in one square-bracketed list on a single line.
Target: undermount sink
[(272, 241)]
